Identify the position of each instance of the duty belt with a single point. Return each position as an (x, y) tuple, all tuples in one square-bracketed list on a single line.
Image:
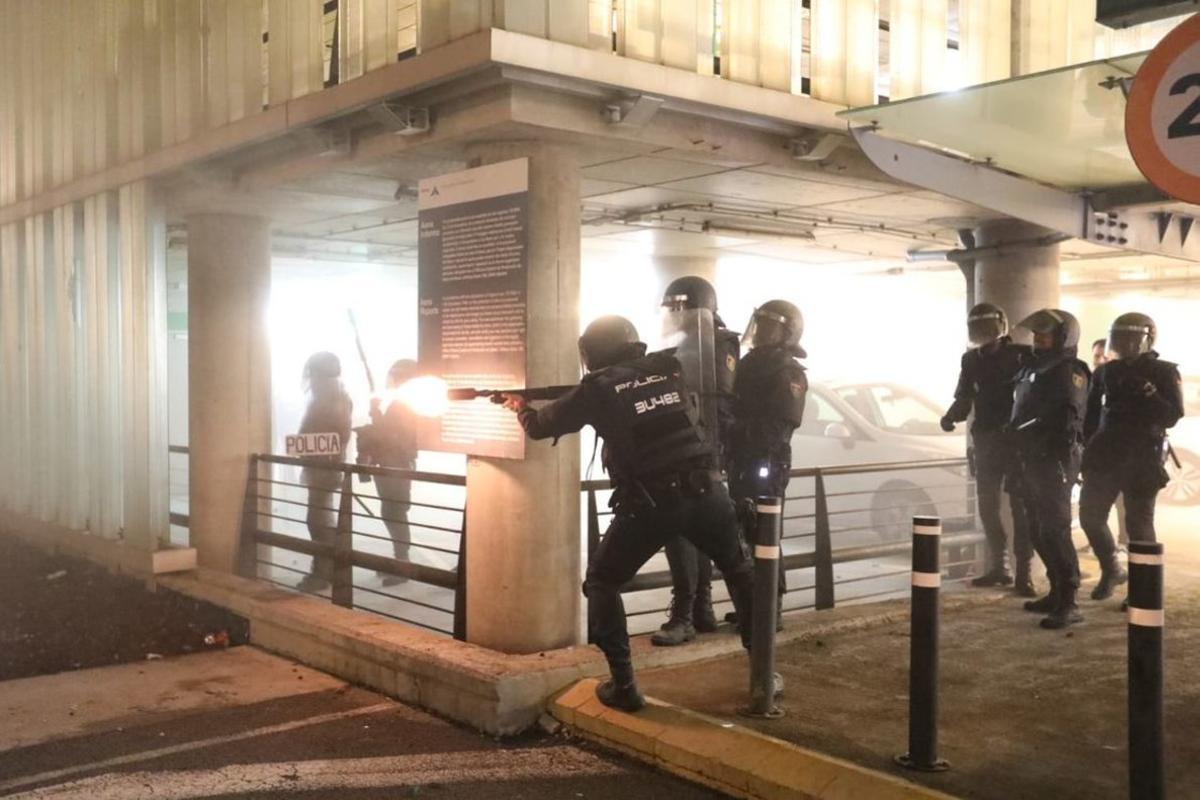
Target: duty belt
[(665, 488)]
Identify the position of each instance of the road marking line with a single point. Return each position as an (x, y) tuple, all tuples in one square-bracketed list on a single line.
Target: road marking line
[(333, 774), (199, 744)]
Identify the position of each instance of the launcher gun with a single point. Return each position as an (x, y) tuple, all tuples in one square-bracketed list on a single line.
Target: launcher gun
[(497, 395)]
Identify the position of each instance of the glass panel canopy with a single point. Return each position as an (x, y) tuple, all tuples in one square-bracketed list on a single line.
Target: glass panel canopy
[(1065, 127)]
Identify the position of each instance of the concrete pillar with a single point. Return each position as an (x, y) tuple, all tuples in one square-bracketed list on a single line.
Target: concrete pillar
[(1020, 278), (229, 374), (523, 520)]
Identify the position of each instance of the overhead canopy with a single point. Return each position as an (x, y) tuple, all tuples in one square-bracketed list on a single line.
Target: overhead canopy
[(1065, 127)]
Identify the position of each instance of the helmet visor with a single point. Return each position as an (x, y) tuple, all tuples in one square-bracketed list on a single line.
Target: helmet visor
[(765, 328), (1128, 341), (676, 302), (985, 328)]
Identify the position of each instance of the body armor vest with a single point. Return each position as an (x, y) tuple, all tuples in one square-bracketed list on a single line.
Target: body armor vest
[(646, 420)]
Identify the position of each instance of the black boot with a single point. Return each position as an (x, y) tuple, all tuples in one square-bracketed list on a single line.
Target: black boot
[(621, 691), (1023, 584), (703, 618), (678, 628), (1111, 576), (1065, 614), (1046, 604), (994, 577)]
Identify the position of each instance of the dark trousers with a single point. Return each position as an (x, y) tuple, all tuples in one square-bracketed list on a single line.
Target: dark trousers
[(993, 463), (322, 516), (707, 521), (1100, 490), (746, 487), (691, 575), (394, 495), (1045, 492)]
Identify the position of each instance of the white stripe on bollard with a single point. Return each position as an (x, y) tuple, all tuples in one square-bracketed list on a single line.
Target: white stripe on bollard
[(1145, 559), (1146, 617), (766, 551), (927, 580), (768, 509), (928, 530)]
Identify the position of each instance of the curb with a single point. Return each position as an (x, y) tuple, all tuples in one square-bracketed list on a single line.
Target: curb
[(498, 693), (725, 756)]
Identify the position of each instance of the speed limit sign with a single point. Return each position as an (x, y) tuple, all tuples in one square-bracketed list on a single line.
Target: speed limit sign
[(1162, 116)]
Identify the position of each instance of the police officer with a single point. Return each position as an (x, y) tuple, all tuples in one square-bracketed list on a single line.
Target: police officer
[(391, 441), (770, 389), (1133, 400), (329, 410), (1100, 355), (985, 382), (665, 481), (1049, 405), (691, 572)]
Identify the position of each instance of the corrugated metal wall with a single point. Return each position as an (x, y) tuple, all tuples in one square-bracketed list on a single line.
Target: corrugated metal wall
[(83, 396)]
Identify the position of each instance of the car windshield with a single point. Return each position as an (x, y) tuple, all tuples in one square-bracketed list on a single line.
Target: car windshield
[(893, 408)]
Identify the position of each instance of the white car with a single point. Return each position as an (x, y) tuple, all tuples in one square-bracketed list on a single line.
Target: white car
[(873, 423), (1184, 486)]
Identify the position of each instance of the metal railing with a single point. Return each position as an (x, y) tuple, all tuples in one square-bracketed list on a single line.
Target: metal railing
[(396, 549), (845, 535)]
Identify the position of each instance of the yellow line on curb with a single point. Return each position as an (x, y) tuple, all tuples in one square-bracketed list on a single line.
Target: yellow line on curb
[(728, 757)]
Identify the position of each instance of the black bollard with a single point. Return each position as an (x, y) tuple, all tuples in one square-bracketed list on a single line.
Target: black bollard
[(1147, 769), (766, 603), (923, 660)]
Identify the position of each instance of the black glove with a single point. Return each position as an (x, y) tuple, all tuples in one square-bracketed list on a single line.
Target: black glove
[(947, 424)]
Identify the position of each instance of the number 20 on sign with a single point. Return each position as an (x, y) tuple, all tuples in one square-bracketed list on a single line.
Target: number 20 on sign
[(1162, 116)]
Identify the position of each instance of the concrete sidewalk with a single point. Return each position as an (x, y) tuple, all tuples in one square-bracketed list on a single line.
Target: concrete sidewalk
[(242, 722), (1025, 713)]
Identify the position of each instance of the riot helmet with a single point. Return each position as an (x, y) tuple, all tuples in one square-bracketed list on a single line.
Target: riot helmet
[(609, 340), (403, 370), (690, 292), (321, 372), (985, 324), (1131, 335), (322, 365), (1053, 330), (775, 322)]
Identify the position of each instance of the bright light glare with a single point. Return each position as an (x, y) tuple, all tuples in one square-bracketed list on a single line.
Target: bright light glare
[(425, 395)]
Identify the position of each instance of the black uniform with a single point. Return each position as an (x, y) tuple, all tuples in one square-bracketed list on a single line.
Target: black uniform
[(1131, 404), (770, 390), (691, 573), (391, 441), (986, 379), (329, 411), (1047, 423), (665, 481)]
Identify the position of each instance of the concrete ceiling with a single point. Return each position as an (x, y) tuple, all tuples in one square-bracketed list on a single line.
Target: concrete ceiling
[(688, 185)]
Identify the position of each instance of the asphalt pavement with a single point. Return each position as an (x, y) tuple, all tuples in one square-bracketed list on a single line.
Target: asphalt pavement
[(242, 723)]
